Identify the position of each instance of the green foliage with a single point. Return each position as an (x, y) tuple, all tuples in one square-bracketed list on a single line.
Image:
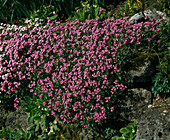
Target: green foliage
[(38, 115), (128, 133), (164, 38), (10, 134), (89, 11), (109, 133), (130, 8), (161, 79), (44, 13), (11, 10), (43, 125), (164, 4)]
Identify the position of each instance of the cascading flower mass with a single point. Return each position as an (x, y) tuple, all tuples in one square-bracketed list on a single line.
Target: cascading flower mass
[(73, 68)]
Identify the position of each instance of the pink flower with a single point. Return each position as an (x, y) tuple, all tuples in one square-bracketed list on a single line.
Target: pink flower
[(44, 103), (15, 105), (53, 113), (137, 42), (78, 10), (149, 39), (85, 126), (112, 108)]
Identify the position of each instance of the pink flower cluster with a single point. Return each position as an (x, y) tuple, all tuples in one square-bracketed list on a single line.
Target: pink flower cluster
[(72, 68)]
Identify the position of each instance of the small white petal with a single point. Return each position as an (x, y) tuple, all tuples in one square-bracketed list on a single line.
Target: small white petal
[(165, 111), (149, 106)]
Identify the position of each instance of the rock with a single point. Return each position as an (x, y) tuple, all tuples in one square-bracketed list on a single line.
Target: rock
[(2, 114), (18, 117), (139, 72), (154, 125), (150, 14), (86, 135), (134, 102)]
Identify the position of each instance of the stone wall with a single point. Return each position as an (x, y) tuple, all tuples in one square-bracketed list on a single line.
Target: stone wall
[(154, 125)]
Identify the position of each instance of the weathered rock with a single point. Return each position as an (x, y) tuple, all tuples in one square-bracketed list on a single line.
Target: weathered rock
[(2, 114), (134, 103), (150, 14), (139, 72), (86, 135), (154, 125), (18, 117)]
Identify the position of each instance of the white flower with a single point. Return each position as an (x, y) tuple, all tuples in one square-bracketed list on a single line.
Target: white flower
[(1, 49), (8, 25), (55, 122), (36, 19), (51, 131), (15, 29), (51, 128), (133, 131), (23, 29), (36, 25), (165, 111), (3, 76), (1, 27), (149, 106)]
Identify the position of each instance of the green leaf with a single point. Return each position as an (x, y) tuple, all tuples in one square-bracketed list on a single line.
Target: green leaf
[(30, 127), (124, 130), (43, 119), (126, 137), (116, 138), (129, 128), (53, 17), (37, 118), (30, 119), (23, 132), (37, 127), (20, 129), (43, 127), (135, 122), (55, 127)]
